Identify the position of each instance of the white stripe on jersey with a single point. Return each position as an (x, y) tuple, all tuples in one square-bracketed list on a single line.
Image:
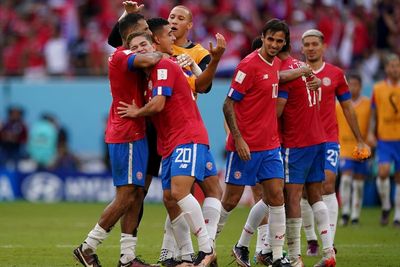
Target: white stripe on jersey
[(130, 163), (194, 159), (231, 92), (228, 171)]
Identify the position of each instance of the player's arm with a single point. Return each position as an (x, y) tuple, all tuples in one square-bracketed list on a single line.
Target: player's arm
[(204, 80), (144, 60), (156, 105), (242, 148), (114, 39), (280, 106), (372, 124), (289, 75)]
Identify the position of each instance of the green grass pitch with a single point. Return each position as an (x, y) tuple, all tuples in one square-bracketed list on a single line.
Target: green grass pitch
[(46, 234)]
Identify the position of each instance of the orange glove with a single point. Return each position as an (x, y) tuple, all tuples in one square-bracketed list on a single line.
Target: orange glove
[(361, 154)]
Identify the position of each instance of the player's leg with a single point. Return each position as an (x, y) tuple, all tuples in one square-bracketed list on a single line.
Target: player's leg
[(396, 221), (383, 151), (361, 171), (307, 216), (346, 167)]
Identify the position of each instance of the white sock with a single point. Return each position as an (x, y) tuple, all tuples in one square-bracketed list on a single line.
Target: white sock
[(277, 229), (307, 217), (256, 215), (345, 193), (293, 228), (181, 233), (222, 220), (128, 246), (168, 243), (357, 198), (322, 219), (397, 203), (333, 211), (94, 238), (383, 186), (262, 238), (211, 212), (194, 217)]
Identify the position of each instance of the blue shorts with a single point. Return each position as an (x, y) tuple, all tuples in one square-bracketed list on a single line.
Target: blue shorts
[(305, 164), (355, 166), (129, 162), (263, 165), (332, 157), (188, 160), (388, 152)]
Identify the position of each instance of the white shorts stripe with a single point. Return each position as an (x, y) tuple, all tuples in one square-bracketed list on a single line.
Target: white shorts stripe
[(287, 165), (194, 160), (130, 163), (228, 171)]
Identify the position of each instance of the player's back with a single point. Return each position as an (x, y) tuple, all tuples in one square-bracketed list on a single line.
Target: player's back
[(180, 121), (333, 85), (126, 84), (347, 141), (386, 101), (301, 120)]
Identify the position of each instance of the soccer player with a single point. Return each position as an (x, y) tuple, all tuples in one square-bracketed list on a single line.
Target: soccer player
[(353, 171), (303, 149), (333, 86), (386, 113), (128, 151), (253, 141), (182, 141)]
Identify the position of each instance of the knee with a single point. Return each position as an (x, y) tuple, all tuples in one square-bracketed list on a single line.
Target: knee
[(230, 203), (214, 191), (275, 198), (328, 188)]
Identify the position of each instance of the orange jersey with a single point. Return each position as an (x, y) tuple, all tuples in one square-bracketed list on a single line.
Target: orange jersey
[(347, 140), (386, 102)]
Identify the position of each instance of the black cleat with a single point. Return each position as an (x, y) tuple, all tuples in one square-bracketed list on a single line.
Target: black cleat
[(385, 217), (85, 258), (345, 219), (282, 262), (396, 224), (265, 259), (204, 259), (355, 222), (241, 255), (136, 262), (312, 248), (169, 262)]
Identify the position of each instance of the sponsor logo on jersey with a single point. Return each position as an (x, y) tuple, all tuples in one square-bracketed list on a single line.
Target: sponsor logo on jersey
[(265, 77), (183, 166)]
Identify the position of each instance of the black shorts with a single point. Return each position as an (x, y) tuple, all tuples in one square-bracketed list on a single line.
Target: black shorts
[(153, 165)]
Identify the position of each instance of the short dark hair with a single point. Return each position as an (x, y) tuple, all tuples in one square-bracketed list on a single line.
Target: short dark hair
[(257, 43), (276, 25), (136, 34), (354, 75), (389, 57), (156, 24), (128, 22)]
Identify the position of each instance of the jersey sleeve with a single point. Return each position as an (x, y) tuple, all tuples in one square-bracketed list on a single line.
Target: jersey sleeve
[(342, 90), (242, 81), (125, 58), (283, 91), (163, 77)]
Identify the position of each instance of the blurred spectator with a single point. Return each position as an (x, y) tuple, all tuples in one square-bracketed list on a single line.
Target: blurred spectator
[(13, 136), (56, 54), (42, 142)]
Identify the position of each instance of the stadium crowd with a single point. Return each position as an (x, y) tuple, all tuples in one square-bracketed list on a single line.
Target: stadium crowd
[(67, 37)]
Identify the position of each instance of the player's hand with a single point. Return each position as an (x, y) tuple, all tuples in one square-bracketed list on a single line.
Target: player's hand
[(132, 7), (362, 151), (184, 60), (314, 83), (242, 149), (217, 52), (306, 70), (128, 110)]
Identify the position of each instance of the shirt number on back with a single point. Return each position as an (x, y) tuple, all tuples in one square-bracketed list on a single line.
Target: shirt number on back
[(184, 155), (332, 157)]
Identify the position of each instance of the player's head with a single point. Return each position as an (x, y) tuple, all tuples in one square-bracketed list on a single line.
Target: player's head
[(392, 66), (355, 84), (257, 43), (162, 35), (132, 23), (274, 35), (313, 46), (180, 19), (140, 42)]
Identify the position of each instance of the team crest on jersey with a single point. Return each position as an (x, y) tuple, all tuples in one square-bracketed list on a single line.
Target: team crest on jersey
[(162, 74), (237, 175), (240, 76), (326, 81), (139, 175), (209, 166)]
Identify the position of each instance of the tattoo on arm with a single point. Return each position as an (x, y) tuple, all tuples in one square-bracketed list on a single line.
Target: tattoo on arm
[(230, 118)]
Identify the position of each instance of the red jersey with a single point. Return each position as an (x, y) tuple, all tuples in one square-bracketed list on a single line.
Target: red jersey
[(333, 84), (301, 120), (126, 84), (180, 121), (255, 90)]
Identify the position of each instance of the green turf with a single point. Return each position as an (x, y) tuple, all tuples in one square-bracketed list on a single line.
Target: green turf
[(45, 235)]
